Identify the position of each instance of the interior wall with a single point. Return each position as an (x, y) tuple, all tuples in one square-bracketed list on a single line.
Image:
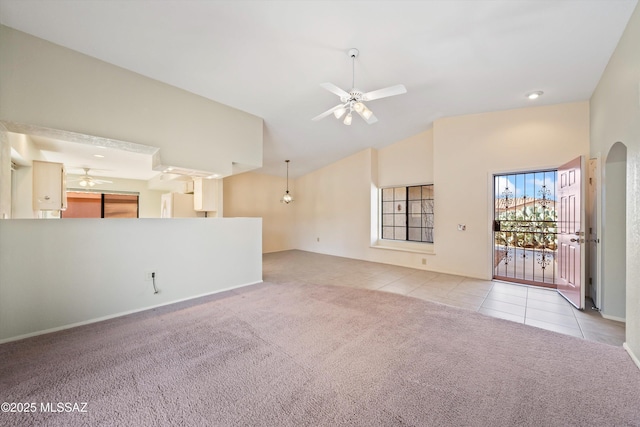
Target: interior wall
[(407, 162), (468, 150), (614, 234), (460, 155), (5, 173), (79, 280), (258, 195), (22, 186), (321, 210), (337, 206), (333, 207), (334, 203), (615, 108), (46, 85), (326, 213)]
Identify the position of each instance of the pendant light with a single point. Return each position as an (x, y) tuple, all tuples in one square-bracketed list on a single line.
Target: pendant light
[(287, 197)]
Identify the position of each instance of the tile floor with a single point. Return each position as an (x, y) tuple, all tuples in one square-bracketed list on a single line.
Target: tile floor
[(539, 307)]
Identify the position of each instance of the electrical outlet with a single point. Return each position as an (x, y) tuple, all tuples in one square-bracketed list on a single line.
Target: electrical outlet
[(462, 227), (424, 261), (148, 275)]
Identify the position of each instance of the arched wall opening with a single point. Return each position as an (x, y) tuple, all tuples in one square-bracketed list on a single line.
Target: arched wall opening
[(614, 234)]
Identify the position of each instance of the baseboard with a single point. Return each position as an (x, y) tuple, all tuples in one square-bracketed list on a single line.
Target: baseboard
[(633, 356), (617, 319), (120, 314)]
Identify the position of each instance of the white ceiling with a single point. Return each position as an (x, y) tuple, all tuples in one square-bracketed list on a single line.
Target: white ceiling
[(269, 57), (101, 160)]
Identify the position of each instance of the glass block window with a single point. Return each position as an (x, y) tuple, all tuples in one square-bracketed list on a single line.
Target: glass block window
[(407, 213)]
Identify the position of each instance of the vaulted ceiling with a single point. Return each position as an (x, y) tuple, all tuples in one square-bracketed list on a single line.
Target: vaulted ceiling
[(269, 58)]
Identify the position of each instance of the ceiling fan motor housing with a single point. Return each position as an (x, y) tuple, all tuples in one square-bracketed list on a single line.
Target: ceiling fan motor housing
[(355, 95)]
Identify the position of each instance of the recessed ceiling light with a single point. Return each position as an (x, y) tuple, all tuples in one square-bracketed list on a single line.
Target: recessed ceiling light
[(535, 95), (98, 155)]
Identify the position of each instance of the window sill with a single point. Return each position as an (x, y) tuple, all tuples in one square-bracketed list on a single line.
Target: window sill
[(411, 248)]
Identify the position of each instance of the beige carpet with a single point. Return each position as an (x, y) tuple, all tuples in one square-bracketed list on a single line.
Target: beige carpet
[(307, 355)]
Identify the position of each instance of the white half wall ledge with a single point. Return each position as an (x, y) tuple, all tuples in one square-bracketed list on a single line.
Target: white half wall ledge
[(56, 274)]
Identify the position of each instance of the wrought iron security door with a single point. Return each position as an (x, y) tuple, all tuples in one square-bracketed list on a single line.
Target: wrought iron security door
[(525, 228)]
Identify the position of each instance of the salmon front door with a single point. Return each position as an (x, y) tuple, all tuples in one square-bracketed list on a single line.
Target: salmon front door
[(570, 233)]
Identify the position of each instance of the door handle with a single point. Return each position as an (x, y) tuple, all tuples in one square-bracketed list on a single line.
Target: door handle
[(577, 240)]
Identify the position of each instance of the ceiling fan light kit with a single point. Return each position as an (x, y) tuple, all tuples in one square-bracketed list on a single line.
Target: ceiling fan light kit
[(354, 99), (339, 112), (535, 95), (89, 181)]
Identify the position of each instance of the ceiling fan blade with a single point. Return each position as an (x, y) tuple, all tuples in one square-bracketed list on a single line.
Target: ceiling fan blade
[(383, 93), (326, 113), (367, 113), (335, 89)]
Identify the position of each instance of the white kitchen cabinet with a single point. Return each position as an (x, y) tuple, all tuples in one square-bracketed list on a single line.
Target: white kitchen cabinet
[(188, 187), (49, 186), (205, 194)]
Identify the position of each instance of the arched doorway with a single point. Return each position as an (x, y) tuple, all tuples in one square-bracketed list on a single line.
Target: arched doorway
[(614, 232)]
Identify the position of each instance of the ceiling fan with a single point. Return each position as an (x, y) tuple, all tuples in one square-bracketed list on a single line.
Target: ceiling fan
[(354, 99), (88, 181)]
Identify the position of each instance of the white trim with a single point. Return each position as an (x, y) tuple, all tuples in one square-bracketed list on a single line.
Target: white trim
[(491, 211), (584, 166), (124, 313), (633, 356), (617, 319), (598, 233), (401, 249)]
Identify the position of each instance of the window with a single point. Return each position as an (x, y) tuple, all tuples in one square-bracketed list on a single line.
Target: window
[(120, 206), (407, 213), (101, 205)]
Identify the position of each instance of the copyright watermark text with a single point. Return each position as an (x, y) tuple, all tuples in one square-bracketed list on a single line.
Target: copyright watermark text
[(49, 407)]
